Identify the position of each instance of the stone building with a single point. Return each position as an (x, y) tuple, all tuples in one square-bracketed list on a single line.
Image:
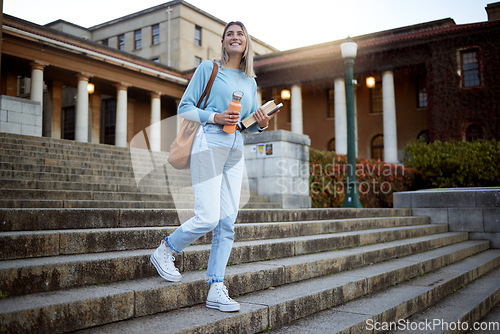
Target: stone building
[(435, 81), (46, 71), (175, 33)]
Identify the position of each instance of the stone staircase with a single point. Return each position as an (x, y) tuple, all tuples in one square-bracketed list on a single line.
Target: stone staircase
[(72, 264), (47, 173)]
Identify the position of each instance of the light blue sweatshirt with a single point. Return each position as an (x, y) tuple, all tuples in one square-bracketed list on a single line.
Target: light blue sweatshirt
[(227, 81)]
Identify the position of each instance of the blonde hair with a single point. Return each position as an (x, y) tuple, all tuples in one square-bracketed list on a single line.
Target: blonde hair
[(246, 63)]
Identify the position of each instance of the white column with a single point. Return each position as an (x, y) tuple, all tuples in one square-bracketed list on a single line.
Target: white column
[(340, 117), (82, 110), (121, 116), (389, 105), (155, 128), (296, 106), (36, 90)]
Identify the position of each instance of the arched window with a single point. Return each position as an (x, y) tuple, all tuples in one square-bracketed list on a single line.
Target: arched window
[(377, 147), (424, 136), (473, 132), (331, 145)]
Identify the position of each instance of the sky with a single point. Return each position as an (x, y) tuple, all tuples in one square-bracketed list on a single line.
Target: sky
[(283, 24)]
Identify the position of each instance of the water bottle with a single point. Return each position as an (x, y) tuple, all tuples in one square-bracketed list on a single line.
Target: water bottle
[(234, 105)]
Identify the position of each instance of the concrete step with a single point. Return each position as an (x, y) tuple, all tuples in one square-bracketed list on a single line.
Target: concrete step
[(122, 204), (66, 148), (100, 192), (72, 147), (61, 185), (78, 153), (28, 244), (57, 172), (92, 204), (54, 156), (42, 164), (59, 219), (23, 276), (271, 293), (150, 183), (258, 204), (52, 142), (29, 194), (72, 167), (81, 178), (459, 312), (156, 187), (389, 308), (491, 319), (44, 144), (303, 277)]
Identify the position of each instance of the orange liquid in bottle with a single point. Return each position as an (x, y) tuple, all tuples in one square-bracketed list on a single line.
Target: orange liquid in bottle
[(234, 105)]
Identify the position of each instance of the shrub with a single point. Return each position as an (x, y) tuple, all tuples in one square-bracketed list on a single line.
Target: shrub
[(378, 180), (455, 164)]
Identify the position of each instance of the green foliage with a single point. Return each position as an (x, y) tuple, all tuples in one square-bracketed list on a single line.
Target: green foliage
[(378, 180), (455, 164)]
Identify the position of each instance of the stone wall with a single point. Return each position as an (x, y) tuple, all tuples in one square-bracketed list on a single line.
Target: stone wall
[(20, 116), (474, 210), (278, 166)]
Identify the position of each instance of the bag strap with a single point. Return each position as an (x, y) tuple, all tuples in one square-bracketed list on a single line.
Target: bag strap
[(207, 90)]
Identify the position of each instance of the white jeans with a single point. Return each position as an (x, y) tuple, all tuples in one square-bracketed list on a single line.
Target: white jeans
[(216, 174)]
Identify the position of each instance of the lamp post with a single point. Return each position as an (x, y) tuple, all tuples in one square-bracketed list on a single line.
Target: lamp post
[(351, 200)]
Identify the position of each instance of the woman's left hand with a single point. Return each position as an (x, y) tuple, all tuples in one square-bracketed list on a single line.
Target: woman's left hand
[(262, 118)]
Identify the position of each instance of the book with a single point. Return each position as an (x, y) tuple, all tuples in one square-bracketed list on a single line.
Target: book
[(269, 108)]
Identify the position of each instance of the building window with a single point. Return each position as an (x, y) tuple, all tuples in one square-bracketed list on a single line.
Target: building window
[(470, 68), (377, 147), (155, 31), (121, 42), (197, 35), (474, 132), (376, 99), (197, 61), (421, 93), (105, 42), (138, 39), (331, 104), (156, 59)]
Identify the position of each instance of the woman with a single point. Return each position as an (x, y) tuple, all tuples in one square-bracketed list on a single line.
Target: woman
[(216, 162)]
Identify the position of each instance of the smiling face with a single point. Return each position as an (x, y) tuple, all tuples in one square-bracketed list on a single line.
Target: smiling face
[(234, 41)]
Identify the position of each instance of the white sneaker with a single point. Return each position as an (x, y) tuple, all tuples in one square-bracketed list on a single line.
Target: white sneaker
[(163, 260), (218, 298)]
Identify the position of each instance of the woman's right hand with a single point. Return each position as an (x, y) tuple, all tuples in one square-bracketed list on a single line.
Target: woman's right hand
[(227, 117)]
